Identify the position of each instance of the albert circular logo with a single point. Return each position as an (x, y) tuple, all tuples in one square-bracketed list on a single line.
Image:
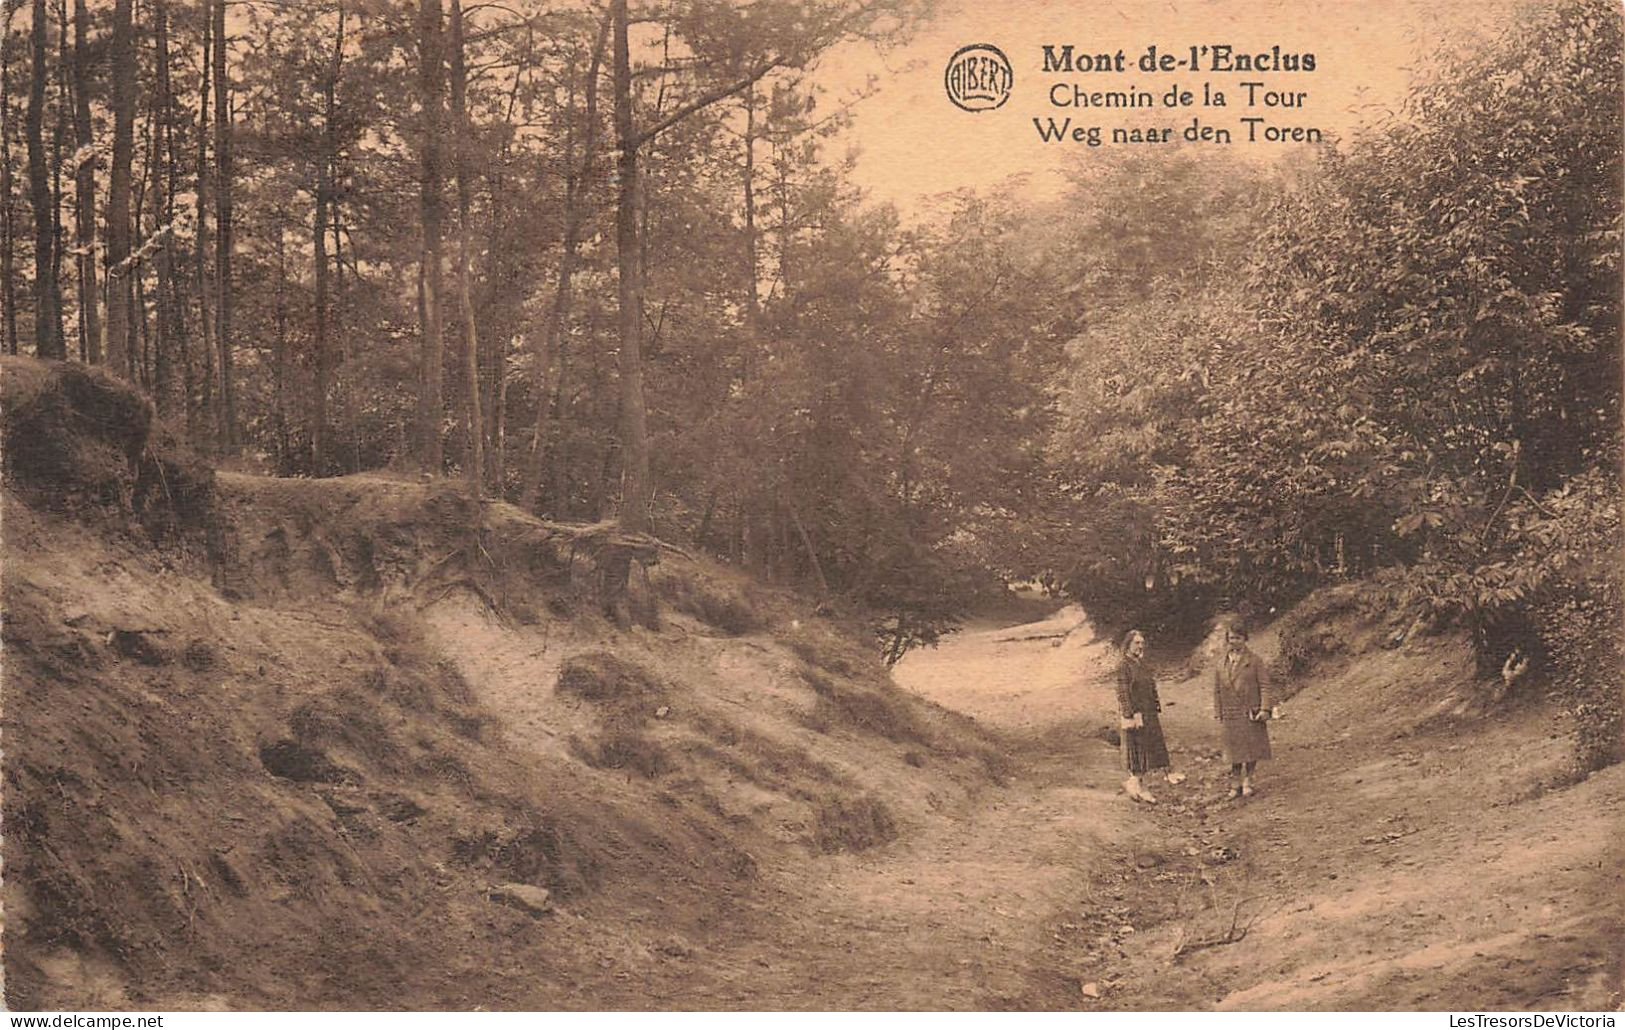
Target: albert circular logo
[(978, 77)]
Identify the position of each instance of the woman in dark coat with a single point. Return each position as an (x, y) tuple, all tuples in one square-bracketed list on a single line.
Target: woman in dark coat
[(1140, 730), (1241, 704)]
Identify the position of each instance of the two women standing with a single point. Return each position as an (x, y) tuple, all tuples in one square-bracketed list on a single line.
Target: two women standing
[(1240, 703)]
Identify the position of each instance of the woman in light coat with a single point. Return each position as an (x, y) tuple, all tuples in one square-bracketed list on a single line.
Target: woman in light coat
[(1242, 706)]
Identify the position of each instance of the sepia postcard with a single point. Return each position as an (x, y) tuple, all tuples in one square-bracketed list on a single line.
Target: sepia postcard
[(812, 505)]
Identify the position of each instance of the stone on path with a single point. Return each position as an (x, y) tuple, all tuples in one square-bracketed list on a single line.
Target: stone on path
[(526, 898)]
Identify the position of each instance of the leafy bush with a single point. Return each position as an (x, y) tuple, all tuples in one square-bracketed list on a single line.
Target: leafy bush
[(1580, 614)]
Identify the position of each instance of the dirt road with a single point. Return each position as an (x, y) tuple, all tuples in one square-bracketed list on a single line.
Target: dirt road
[(1373, 871)]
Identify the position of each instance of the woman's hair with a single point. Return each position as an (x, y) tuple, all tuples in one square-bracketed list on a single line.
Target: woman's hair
[(1128, 638)]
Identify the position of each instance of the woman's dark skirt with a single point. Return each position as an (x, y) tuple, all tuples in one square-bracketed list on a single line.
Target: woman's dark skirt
[(1144, 749)]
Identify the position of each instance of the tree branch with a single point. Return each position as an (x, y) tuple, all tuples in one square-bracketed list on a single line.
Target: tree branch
[(706, 100)]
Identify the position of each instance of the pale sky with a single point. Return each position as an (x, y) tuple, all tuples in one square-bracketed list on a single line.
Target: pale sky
[(913, 143)]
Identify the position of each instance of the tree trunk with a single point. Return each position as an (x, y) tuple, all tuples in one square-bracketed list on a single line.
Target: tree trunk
[(553, 326), (47, 316), (59, 132), (143, 330), (475, 457), (321, 443), (812, 552), (223, 232), (172, 297), (636, 493), (336, 324), (431, 84), (140, 232), (753, 300), (279, 357), (203, 425), (163, 206), (118, 348), (8, 277), (318, 417), (636, 487), (84, 193)]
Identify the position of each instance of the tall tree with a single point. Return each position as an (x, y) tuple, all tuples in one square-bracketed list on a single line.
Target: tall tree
[(119, 314), (431, 97), (475, 458), (202, 426), (636, 488), (48, 341), (323, 358), (223, 231), (8, 278), (165, 173), (61, 128), (575, 179), (84, 193)]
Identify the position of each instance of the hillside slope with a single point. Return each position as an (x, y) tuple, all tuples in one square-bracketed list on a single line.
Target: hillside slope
[(295, 743)]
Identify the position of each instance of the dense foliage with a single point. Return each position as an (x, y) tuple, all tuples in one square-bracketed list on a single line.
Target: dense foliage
[(1413, 373)]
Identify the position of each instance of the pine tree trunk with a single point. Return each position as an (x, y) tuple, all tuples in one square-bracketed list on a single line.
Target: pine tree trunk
[(431, 82), (279, 357), (8, 277), (172, 309), (223, 233), (60, 130), (203, 424), (47, 317), (636, 487), (349, 387), (475, 456), (320, 438), (163, 194), (636, 492), (318, 417), (553, 325), (753, 299), (84, 193), (118, 348)]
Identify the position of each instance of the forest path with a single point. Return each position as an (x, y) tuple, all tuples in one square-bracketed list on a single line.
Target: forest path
[(1395, 874), (955, 914)]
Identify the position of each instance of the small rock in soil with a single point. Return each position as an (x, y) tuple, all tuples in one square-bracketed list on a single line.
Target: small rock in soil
[(530, 900)]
